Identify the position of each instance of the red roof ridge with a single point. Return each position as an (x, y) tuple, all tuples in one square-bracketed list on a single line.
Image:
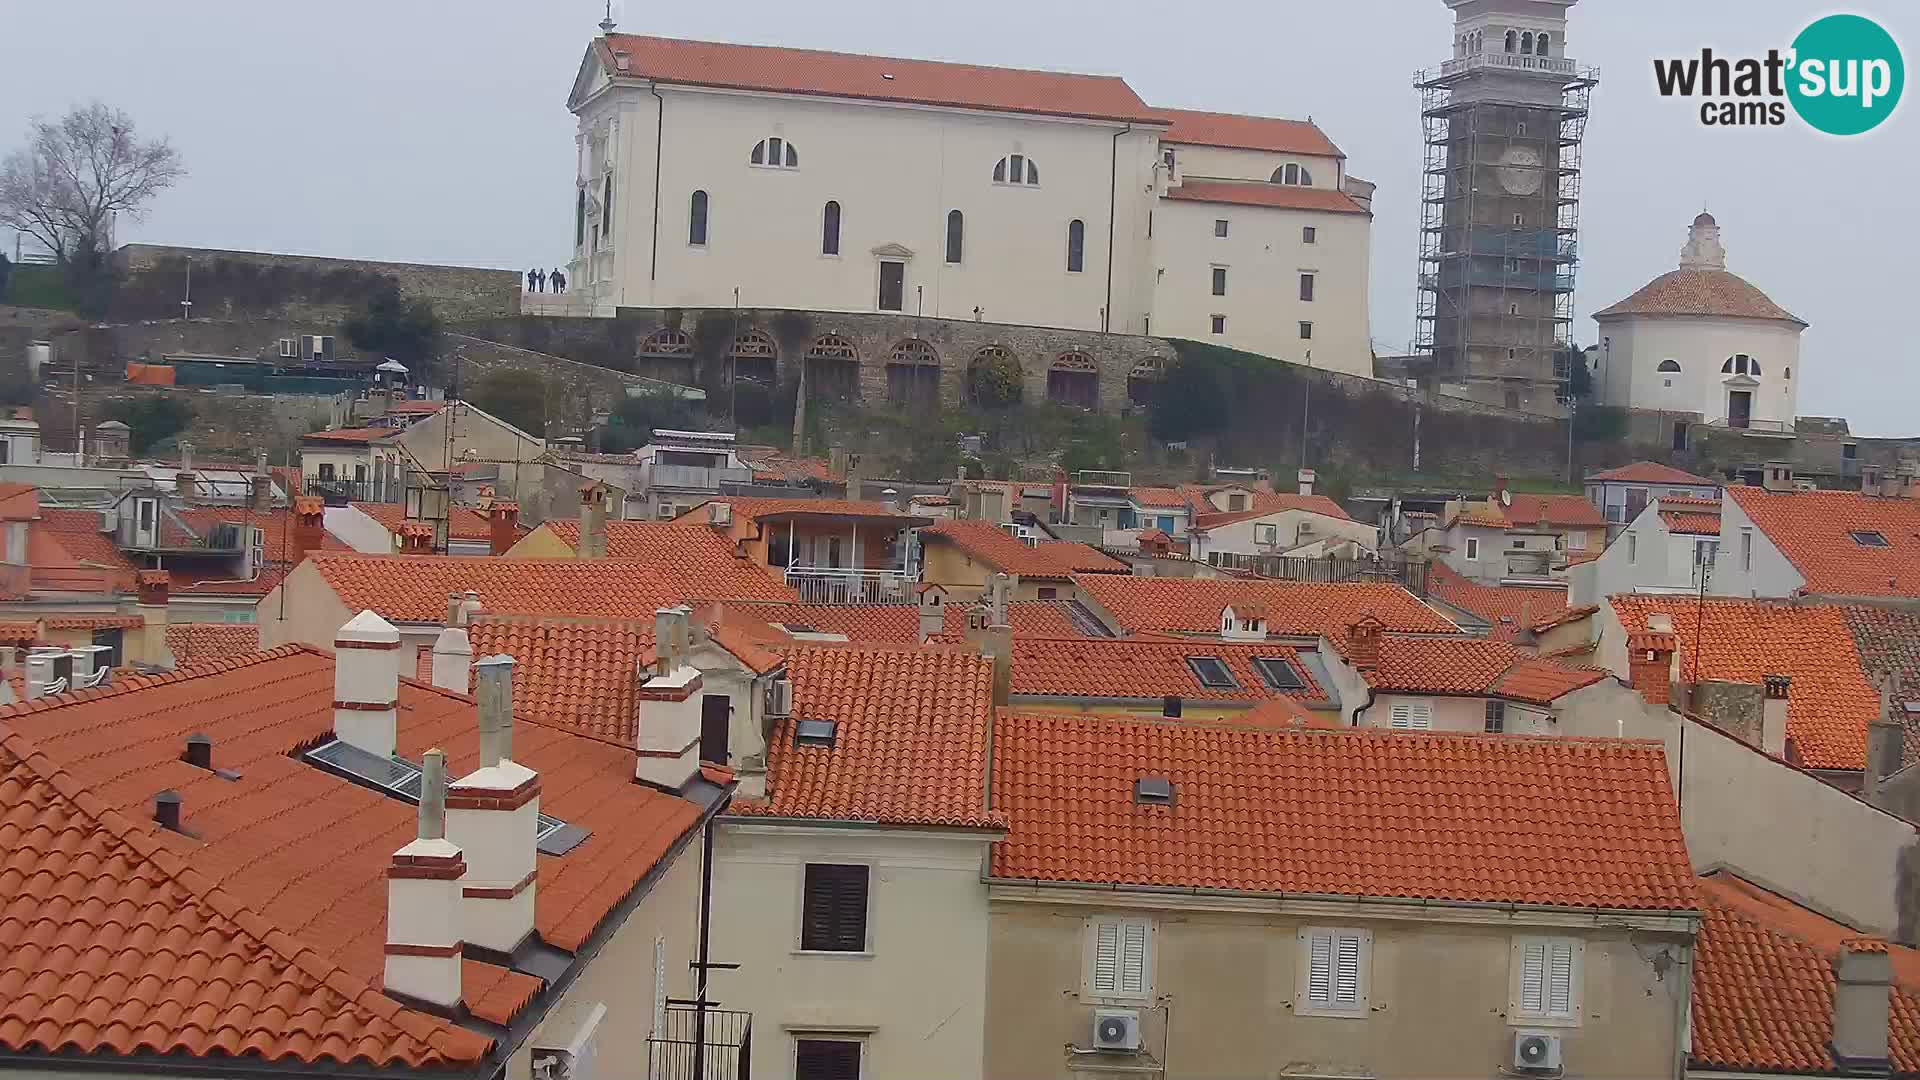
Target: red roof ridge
[(1599, 742), (139, 680)]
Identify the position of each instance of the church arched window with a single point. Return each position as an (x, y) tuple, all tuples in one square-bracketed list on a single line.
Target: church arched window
[(1740, 364), (1513, 39), (1526, 42), (1293, 175), (697, 219), (775, 153), (1669, 367), (1016, 169), (1540, 45)]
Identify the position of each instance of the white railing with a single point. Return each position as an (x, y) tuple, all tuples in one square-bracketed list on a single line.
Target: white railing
[(840, 585), (1551, 65)]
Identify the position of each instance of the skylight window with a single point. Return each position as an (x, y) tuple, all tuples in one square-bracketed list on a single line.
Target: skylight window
[(1868, 538), (399, 778), (813, 733), (1277, 673), (1153, 791), (1212, 673)]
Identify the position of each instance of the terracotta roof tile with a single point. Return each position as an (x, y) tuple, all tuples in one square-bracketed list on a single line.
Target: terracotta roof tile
[(910, 745), (414, 588), (93, 622), (1005, 552), (195, 643), (361, 435), (768, 461), (1700, 292), (581, 674), (1688, 520), (1812, 529), (1160, 498), (1763, 985), (1831, 702), (1567, 822), (846, 75), (754, 509), (463, 522), (700, 557), (1261, 193), (1193, 605), (1472, 666), (1235, 132), (1261, 499), (1554, 510), (302, 854), (1148, 668), (1481, 514), (1545, 604), (1651, 472), (64, 540), (1888, 641)]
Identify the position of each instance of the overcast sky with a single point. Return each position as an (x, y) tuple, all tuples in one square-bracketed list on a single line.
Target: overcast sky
[(438, 132)]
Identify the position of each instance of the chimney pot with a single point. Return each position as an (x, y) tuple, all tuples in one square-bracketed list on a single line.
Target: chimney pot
[(166, 810), (494, 677), (366, 684), (1773, 714), (1650, 665), (183, 485), (454, 606), (1363, 644), (1306, 478), (200, 750), (262, 487), (503, 527), (493, 817), (668, 750), (309, 526), (433, 795), (424, 897)]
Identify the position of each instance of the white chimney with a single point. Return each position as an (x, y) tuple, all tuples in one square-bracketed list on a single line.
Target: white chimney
[(1306, 477), (493, 814), (453, 660), (1862, 998), (668, 751), (1773, 714), (423, 901), (366, 684)]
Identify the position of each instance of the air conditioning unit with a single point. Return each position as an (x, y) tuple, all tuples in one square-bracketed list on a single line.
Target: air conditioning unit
[(564, 1048), (667, 512), (1536, 1052), (780, 698), (720, 515), (1116, 1029), (289, 348)]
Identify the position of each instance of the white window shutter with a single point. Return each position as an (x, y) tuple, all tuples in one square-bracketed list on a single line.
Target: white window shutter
[(1106, 957), (1133, 958), (1560, 978), (1533, 977), (1320, 969), (1402, 716), (1346, 970)]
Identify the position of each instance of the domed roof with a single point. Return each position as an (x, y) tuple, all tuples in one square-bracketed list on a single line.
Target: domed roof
[(1701, 292), (1705, 219)]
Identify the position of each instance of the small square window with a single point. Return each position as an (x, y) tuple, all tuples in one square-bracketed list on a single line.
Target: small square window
[(1496, 717), (1306, 331), (1850, 451), (1212, 673), (1219, 226), (1868, 538), (1308, 235), (1219, 324), (1219, 281), (1334, 972), (826, 1059)]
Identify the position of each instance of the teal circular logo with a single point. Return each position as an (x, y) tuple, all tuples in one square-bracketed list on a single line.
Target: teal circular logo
[(1846, 76)]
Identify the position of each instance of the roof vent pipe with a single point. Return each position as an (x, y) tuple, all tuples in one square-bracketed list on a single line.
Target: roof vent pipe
[(200, 750), (166, 810)]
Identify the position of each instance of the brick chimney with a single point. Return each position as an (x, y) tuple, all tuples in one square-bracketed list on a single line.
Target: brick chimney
[(503, 527), (668, 748), (1650, 664), (452, 650), (184, 486), (1773, 714), (423, 902), (593, 522), (366, 684), (151, 605), (1306, 478), (1363, 644), (261, 494), (1862, 1001), (309, 526), (493, 814)]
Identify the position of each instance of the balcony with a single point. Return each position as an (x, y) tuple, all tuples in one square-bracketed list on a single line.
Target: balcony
[(844, 585), (716, 1046), (693, 477), (1505, 61)]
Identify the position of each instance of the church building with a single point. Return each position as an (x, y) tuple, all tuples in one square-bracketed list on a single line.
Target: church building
[(1701, 339), (712, 175)]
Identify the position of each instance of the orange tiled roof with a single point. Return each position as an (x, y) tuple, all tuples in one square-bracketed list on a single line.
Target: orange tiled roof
[(1831, 702), (1481, 514), (1691, 517), (73, 538), (1763, 985), (1564, 822), (1235, 132), (1651, 472), (21, 632), (1472, 666), (1160, 498), (1280, 714), (1554, 510), (910, 745), (1261, 193), (297, 855), (581, 674), (768, 461), (414, 588), (19, 502), (93, 622), (1700, 292), (1193, 605), (1546, 604), (755, 509), (1811, 528), (463, 522), (196, 643), (1262, 499), (1150, 668), (360, 435), (1004, 552), (875, 78)]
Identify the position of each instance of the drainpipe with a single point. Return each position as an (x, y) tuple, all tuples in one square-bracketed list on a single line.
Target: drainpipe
[(1113, 189), (1354, 720), (659, 130), (706, 926)]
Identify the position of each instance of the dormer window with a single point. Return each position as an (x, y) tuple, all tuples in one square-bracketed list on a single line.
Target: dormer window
[(775, 153)]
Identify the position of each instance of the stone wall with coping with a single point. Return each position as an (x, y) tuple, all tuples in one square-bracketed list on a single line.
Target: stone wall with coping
[(231, 283)]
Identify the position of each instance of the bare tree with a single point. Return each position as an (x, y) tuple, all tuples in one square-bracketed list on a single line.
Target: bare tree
[(73, 175)]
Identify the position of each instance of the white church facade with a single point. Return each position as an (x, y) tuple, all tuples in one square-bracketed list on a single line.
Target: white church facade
[(711, 175), (1700, 339)]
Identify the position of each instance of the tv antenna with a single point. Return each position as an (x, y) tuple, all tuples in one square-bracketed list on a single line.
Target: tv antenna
[(607, 24)]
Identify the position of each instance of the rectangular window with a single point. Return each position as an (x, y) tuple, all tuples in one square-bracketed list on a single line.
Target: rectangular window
[(1219, 226), (1119, 960), (1266, 534), (1219, 324), (1308, 235), (1212, 673), (1334, 972), (1496, 717), (1278, 674), (1046, 593), (1473, 548), (1306, 287), (833, 915), (1412, 715), (1518, 545), (1546, 979), (1636, 502), (1306, 331), (1746, 550), (1577, 540), (1219, 281), (826, 1059), (326, 470), (1633, 548), (1849, 451)]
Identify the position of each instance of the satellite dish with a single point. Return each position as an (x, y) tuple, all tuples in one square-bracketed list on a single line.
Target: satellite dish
[(1506, 498)]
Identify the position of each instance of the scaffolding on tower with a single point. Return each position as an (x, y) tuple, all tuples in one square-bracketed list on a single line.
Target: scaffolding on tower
[(1500, 220)]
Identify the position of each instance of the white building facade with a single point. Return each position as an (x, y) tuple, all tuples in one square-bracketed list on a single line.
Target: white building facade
[(1702, 340), (712, 174)]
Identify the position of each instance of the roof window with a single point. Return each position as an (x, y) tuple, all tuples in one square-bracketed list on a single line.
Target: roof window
[(1868, 538), (1212, 673), (1277, 673), (398, 778), (1153, 791), (813, 733)]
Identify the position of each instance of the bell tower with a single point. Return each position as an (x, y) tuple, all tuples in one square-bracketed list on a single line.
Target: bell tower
[(1500, 205)]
